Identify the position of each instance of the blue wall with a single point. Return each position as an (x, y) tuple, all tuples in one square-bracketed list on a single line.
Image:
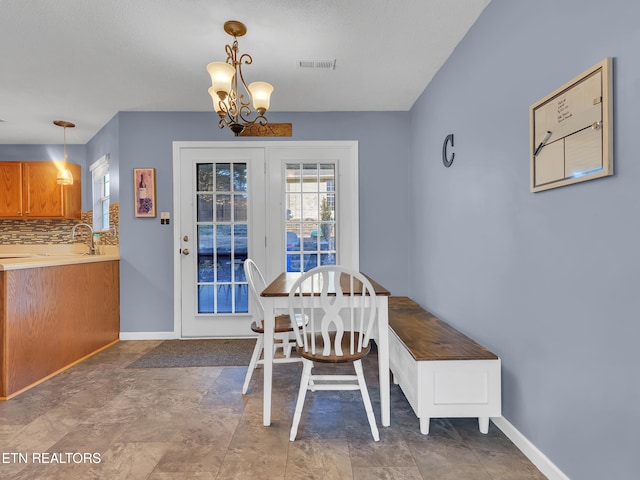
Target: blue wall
[(105, 142), (75, 154), (549, 281), (146, 246)]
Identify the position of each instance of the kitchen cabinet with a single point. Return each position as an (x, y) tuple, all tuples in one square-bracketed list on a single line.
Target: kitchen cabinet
[(10, 189), (30, 190), (52, 317)]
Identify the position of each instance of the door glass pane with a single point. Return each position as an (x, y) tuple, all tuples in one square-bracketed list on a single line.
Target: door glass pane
[(223, 177), (310, 261), (222, 238), (293, 177), (310, 206), (310, 215), (241, 290), (205, 177), (205, 254), (223, 208), (223, 253), (205, 299), (240, 208), (328, 175), (205, 207), (240, 177), (310, 177)]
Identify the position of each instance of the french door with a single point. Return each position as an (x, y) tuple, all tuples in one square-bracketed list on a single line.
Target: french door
[(221, 221), (288, 206)]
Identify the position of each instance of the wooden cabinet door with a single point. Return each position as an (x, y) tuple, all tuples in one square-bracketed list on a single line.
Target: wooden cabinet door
[(30, 189), (10, 189), (72, 194), (43, 195)]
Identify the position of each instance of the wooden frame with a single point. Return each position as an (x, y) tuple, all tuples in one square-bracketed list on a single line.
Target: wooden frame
[(572, 131), (144, 192)]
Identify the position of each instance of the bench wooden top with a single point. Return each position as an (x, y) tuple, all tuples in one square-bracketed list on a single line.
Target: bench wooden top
[(429, 338)]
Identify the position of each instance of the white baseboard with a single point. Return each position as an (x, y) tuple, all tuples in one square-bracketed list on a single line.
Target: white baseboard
[(539, 459), (148, 336)]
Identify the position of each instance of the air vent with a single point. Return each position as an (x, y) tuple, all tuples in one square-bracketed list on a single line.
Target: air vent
[(317, 64)]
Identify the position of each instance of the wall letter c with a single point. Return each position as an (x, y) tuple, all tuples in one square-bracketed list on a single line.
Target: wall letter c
[(445, 160)]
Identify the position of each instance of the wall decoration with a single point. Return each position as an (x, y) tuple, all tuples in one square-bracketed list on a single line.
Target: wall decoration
[(445, 157), (268, 130), (572, 131), (144, 188)]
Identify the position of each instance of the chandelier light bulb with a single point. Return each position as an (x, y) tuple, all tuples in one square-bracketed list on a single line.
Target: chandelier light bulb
[(222, 75), (261, 95), (220, 106)]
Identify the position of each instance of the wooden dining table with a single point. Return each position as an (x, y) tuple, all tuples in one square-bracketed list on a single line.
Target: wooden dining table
[(275, 297)]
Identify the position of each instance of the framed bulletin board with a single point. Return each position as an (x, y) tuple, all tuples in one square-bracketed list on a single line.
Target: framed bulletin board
[(572, 131)]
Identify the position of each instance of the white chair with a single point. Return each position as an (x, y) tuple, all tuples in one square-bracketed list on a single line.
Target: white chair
[(284, 337), (341, 316)]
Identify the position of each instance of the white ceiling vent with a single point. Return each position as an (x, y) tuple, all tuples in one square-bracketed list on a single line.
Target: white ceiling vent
[(317, 64)]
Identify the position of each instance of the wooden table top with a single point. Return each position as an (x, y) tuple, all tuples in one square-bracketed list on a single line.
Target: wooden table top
[(282, 284)]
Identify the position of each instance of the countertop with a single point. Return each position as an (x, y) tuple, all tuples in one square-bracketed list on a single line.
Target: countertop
[(17, 257)]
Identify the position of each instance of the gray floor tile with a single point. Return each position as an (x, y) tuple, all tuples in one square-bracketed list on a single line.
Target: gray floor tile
[(194, 424)]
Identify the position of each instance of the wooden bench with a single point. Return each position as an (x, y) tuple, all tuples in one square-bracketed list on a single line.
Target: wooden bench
[(442, 372)]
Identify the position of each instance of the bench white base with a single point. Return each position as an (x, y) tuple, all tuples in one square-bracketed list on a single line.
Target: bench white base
[(447, 388)]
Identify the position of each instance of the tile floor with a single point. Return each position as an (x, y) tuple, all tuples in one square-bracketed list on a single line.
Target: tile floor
[(193, 423)]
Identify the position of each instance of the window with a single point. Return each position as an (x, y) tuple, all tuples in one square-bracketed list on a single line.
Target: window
[(310, 215), (100, 192)]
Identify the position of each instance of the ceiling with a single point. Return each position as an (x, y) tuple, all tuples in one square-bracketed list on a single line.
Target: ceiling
[(85, 60)]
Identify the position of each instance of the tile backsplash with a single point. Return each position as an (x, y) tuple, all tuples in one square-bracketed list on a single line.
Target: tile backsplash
[(55, 231)]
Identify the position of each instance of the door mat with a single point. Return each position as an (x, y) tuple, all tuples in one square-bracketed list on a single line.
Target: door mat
[(198, 353)]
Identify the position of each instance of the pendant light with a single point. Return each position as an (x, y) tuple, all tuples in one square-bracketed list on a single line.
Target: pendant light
[(64, 174)]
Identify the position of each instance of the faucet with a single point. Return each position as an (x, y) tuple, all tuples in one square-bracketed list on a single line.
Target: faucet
[(92, 247)]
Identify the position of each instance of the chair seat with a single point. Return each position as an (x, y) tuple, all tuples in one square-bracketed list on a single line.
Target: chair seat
[(332, 357), (283, 324)]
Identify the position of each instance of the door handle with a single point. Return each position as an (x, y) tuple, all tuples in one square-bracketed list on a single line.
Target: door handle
[(185, 251)]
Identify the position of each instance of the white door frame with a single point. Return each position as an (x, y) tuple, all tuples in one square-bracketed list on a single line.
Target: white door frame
[(348, 185)]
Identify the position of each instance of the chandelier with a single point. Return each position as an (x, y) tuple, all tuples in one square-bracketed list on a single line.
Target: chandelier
[(64, 176), (231, 104)]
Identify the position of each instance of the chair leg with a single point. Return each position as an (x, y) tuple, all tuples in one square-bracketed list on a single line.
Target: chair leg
[(255, 356), (367, 401), (304, 383), (285, 342), (287, 349)]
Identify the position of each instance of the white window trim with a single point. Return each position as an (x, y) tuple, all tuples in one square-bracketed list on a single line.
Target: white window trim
[(98, 170)]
